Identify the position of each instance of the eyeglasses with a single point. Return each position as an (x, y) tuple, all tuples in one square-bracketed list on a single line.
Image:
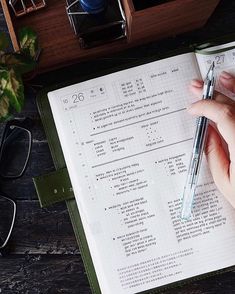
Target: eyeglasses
[(15, 150)]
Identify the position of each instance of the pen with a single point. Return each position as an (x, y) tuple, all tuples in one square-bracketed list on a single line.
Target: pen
[(198, 147)]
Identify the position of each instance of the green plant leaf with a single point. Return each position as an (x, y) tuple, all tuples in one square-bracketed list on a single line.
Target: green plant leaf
[(4, 108), (4, 41), (3, 79), (28, 42), (12, 67), (20, 63), (12, 87)]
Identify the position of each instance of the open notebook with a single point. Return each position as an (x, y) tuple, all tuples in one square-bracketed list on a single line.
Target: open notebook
[(127, 139)]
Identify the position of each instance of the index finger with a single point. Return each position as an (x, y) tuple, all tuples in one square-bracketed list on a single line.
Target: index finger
[(196, 88), (228, 81)]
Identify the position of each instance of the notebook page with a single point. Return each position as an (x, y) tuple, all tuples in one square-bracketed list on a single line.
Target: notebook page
[(127, 140)]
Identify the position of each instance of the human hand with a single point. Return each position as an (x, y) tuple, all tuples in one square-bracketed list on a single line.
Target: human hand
[(221, 111)]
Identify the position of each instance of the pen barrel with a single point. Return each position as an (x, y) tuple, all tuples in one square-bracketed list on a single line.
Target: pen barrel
[(190, 186), (198, 147), (194, 167), (200, 135)]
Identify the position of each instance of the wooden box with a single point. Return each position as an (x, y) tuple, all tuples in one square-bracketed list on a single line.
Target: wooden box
[(61, 47), (166, 19)]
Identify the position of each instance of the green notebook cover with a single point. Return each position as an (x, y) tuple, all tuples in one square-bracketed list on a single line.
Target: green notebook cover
[(60, 165), (59, 162)]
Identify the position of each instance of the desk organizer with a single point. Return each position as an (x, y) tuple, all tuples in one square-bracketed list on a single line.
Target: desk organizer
[(96, 29), (146, 20)]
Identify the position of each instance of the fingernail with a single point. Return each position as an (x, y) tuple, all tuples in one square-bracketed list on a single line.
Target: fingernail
[(196, 83), (225, 75)]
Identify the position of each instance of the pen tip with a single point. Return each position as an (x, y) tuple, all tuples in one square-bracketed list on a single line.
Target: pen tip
[(211, 71), (212, 66)]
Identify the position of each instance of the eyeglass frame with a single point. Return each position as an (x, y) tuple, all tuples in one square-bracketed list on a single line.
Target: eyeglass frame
[(12, 222), (14, 123)]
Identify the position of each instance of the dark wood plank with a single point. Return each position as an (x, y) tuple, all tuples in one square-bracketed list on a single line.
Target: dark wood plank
[(3, 25), (42, 231), (40, 274)]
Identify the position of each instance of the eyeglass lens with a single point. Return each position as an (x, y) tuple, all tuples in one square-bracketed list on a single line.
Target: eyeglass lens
[(15, 151), (7, 218)]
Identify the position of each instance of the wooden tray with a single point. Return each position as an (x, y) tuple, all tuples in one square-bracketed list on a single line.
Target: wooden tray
[(61, 46), (164, 20)]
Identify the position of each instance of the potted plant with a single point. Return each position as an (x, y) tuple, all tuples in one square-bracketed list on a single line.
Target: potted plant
[(13, 67)]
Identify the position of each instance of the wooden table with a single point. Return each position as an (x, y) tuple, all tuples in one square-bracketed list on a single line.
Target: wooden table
[(44, 255)]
